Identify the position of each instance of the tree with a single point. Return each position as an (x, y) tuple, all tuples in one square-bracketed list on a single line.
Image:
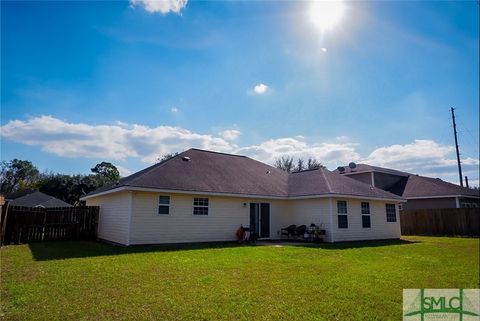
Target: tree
[(312, 163), (286, 163), (107, 170), (17, 175), (166, 157)]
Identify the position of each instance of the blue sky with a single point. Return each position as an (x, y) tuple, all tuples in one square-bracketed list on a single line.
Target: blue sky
[(84, 82)]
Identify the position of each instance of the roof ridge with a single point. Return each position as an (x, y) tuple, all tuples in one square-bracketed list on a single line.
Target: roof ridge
[(306, 170), (213, 152), (326, 181)]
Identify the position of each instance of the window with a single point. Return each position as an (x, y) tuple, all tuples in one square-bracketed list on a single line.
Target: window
[(200, 206), (366, 215), (342, 221), (164, 205), (342, 211), (365, 208), (391, 212), (366, 221), (342, 207)]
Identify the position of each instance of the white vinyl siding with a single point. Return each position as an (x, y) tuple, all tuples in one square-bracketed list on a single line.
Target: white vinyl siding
[(380, 228), (225, 215), (113, 220), (306, 212)]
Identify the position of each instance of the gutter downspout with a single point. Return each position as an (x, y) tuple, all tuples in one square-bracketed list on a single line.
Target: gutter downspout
[(331, 219), (129, 219), (457, 202)]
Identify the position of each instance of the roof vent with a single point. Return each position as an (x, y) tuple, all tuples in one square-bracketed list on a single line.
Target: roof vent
[(268, 172), (186, 158), (341, 169)]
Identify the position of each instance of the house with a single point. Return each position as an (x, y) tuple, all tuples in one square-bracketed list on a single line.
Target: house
[(35, 199), (204, 196), (420, 192)]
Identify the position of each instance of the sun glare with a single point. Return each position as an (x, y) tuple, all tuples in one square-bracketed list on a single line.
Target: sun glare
[(326, 14)]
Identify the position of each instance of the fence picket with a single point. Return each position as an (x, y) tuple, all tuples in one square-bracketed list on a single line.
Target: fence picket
[(446, 221), (25, 224)]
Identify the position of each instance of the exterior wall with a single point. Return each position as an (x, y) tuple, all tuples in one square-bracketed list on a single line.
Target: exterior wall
[(380, 228), (225, 215), (417, 204), (386, 181), (308, 211), (469, 202), (113, 220), (362, 177)]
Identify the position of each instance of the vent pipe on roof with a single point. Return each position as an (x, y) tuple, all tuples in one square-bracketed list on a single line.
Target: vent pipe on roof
[(186, 158), (466, 182)]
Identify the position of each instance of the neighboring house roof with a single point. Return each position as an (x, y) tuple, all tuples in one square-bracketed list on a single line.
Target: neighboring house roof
[(414, 186), (322, 181), (38, 199), (365, 168), (421, 186), (212, 172)]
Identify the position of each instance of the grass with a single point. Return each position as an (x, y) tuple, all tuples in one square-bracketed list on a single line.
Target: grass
[(348, 281)]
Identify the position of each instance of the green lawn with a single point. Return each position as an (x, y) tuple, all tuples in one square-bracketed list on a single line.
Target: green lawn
[(349, 281)]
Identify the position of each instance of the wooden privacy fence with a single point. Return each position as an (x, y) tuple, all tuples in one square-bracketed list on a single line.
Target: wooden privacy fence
[(445, 221), (33, 224)]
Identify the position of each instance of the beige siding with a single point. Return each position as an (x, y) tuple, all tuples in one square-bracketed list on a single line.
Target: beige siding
[(114, 216), (225, 216), (380, 228), (308, 211)]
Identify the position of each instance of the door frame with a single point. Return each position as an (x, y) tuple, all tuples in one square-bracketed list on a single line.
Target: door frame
[(258, 206)]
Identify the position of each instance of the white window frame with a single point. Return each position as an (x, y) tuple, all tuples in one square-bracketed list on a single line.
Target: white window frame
[(342, 214), (386, 213), (366, 214), (201, 205), (163, 204)]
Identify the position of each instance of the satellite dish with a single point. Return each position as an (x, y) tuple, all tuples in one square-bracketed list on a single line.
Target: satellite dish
[(341, 169), (352, 165)]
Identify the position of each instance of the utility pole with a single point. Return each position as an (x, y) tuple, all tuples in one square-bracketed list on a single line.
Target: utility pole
[(456, 146)]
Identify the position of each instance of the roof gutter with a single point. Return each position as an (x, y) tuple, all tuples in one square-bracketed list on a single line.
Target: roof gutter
[(441, 196), (158, 190)]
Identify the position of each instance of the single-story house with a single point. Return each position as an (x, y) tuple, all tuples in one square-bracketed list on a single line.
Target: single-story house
[(420, 192), (204, 196), (35, 199)]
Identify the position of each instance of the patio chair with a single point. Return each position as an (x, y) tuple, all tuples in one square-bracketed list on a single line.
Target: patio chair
[(288, 231), (300, 230)]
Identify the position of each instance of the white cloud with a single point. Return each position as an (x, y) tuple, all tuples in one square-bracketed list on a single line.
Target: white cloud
[(230, 134), (260, 89), (424, 157), (161, 6), (121, 141), (174, 110), (124, 172), (107, 141), (330, 154)]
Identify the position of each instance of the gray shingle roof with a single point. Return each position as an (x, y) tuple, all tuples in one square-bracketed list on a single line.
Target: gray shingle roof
[(322, 181), (421, 186), (364, 168), (38, 199), (233, 174)]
